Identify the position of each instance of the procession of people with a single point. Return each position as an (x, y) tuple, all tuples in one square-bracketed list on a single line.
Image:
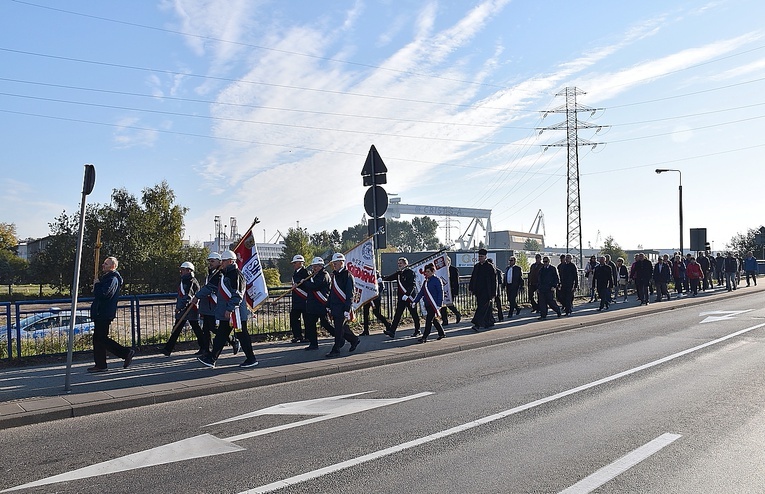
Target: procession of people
[(322, 298)]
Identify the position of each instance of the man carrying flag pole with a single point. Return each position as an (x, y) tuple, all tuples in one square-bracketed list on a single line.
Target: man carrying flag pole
[(341, 296), (231, 292)]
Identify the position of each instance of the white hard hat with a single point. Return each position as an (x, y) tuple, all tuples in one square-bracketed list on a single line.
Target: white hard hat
[(228, 255), (188, 265), (298, 258), (338, 256), (317, 260), (214, 255)]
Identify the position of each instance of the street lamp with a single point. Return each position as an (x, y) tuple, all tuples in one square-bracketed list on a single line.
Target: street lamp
[(680, 189)]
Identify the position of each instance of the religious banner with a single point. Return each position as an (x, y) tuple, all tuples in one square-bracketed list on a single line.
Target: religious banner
[(442, 273), (360, 262), (249, 264)]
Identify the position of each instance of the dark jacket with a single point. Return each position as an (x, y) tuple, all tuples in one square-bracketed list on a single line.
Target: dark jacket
[(405, 282), (569, 275), (106, 292), (731, 265), (534, 273), (603, 276), (317, 286), (662, 272), (678, 270), (187, 288), (548, 278), (230, 292), (433, 293), (483, 281), (341, 292), (208, 294), (517, 279), (643, 271), (299, 295), (454, 282)]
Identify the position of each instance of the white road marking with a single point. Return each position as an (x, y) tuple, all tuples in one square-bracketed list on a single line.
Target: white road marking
[(186, 449), (608, 472), (722, 315), (280, 484), (209, 445)]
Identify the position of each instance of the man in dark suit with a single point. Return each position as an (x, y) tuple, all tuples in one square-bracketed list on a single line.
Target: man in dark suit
[(569, 282), (513, 282), (483, 286), (406, 290)]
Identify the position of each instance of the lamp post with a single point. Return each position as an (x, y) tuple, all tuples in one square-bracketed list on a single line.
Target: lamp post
[(680, 190)]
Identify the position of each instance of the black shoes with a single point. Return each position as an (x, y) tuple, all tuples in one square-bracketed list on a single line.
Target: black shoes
[(333, 354), (167, 352), (250, 362), (129, 358), (201, 351), (296, 340), (311, 347), (416, 333), (459, 318), (474, 328), (441, 337), (421, 340), (354, 345), (95, 369), (389, 333), (207, 360)]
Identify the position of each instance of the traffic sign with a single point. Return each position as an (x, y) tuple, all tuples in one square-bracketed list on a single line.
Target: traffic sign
[(376, 201)]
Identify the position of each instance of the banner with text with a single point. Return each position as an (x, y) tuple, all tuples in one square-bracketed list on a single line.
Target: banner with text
[(360, 262), (442, 273), (249, 264)]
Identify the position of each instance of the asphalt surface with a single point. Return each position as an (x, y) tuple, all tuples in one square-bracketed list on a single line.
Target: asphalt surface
[(36, 394)]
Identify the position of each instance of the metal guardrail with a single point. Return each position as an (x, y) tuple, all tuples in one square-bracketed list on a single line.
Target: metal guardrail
[(144, 320)]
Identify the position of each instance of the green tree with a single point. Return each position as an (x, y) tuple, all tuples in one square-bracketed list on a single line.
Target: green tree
[(324, 243), (55, 265), (613, 249), (744, 242), (532, 245), (8, 239), (272, 277), (144, 235), (353, 235), (297, 241)]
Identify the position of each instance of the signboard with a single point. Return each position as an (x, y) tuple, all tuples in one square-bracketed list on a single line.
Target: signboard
[(470, 259)]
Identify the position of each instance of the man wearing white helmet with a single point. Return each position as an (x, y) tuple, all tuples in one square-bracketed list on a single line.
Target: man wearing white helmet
[(228, 312), (207, 300), (299, 296), (340, 305), (184, 312), (317, 286)]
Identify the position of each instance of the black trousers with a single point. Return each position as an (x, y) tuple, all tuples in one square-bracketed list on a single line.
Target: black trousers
[(604, 293), (498, 302), (567, 298), (400, 307), (532, 295), (204, 344), (343, 333), (642, 290), (445, 312), (311, 327), (430, 320), (102, 343), (512, 300), (222, 337), (547, 299), (376, 306), (295, 315)]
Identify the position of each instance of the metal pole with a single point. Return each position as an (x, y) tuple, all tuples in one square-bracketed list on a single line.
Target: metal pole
[(87, 187), (681, 213)]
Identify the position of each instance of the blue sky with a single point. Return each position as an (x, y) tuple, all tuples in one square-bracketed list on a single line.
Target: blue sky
[(268, 109)]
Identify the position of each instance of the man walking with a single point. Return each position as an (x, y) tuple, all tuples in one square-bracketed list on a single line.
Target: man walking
[(643, 274), (299, 295), (548, 282), (483, 286), (731, 270), (604, 281), (317, 286), (185, 312), (662, 272), (404, 278), (569, 282), (513, 282), (454, 287), (750, 267), (340, 305), (103, 311), (534, 282), (228, 310)]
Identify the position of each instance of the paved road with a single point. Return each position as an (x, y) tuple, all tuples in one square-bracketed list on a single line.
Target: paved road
[(670, 398)]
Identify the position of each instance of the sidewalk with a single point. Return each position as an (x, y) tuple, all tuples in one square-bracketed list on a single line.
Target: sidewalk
[(36, 394)]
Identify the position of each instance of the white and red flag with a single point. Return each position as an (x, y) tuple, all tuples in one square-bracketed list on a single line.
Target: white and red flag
[(249, 264), (360, 262)]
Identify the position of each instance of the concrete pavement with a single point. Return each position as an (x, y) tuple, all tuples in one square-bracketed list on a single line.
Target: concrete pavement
[(36, 394)]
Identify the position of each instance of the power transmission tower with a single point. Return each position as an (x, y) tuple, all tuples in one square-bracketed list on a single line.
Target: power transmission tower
[(572, 142)]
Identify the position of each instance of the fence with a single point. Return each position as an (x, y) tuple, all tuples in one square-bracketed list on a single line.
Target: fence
[(145, 320)]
